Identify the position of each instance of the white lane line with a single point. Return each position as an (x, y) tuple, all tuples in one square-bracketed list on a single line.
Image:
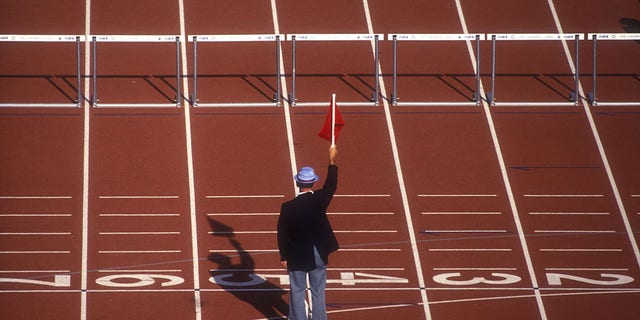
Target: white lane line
[(36, 252), (139, 233), (581, 291), (274, 232), (598, 291), (35, 271), (362, 195), (564, 195), (285, 94), (586, 269), (360, 213), (156, 271), (136, 197), (371, 250), (276, 250), (328, 269), (472, 250), (240, 232), (476, 269), (390, 306), (466, 231), (137, 251), (248, 196), (25, 215), (575, 231), (571, 213), (400, 175), (457, 195), (504, 172), (85, 162), (581, 250), (366, 269), (35, 197), (35, 233), (139, 215), (366, 231), (243, 251), (255, 214), (461, 213), (190, 165), (247, 214)]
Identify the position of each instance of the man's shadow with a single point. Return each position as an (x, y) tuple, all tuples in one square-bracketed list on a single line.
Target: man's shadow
[(631, 25), (236, 278)]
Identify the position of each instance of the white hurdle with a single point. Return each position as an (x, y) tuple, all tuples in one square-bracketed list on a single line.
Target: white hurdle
[(50, 38), (276, 38), (134, 39), (435, 38), (574, 96), (330, 38), (595, 37)]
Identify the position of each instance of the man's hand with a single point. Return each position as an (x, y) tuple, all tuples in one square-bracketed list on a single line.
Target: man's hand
[(284, 263), (333, 153)]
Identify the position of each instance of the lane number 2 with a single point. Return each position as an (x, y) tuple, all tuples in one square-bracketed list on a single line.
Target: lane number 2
[(553, 279)]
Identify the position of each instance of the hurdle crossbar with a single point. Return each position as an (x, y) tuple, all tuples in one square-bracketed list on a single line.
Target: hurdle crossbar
[(435, 37), (375, 38), (276, 38), (595, 37), (50, 38), (574, 96), (134, 39)]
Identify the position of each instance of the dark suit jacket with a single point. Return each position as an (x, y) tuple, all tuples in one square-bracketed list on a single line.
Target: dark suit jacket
[(303, 223)]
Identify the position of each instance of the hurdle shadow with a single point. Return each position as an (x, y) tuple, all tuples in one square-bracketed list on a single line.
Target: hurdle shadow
[(344, 78), (251, 80), (559, 84), (151, 81), (455, 82), (631, 25), (267, 298), (61, 83)]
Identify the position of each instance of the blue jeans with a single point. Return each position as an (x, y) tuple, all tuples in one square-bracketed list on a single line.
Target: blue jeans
[(317, 282)]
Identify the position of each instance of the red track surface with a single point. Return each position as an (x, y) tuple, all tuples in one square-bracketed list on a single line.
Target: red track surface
[(447, 212)]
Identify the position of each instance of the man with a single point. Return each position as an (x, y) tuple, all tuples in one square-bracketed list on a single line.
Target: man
[(305, 239)]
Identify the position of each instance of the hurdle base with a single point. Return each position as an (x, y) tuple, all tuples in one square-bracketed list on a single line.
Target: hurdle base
[(619, 104), (236, 104), (134, 105), (40, 105), (324, 104), (535, 104), (437, 104)]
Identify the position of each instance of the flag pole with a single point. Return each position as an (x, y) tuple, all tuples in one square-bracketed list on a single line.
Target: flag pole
[(333, 119)]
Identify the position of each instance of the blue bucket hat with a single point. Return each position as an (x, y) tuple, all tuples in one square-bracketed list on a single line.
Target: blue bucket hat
[(306, 175)]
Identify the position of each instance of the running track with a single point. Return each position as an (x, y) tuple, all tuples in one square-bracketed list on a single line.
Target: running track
[(445, 212)]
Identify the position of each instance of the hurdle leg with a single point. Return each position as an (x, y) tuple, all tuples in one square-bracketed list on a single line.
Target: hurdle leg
[(592, 95), (292, 96)]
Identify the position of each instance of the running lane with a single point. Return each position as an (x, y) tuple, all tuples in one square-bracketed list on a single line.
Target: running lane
[(616, 126), (26, 67), (40, 166), (367, 213), (324, 67), (469, 245), (135, 72), (577, 239), (139, 225), (242, 167), (526, 71), (40, 214)]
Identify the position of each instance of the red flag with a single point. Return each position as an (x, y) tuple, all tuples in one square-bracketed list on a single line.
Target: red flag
[(326, 132)]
